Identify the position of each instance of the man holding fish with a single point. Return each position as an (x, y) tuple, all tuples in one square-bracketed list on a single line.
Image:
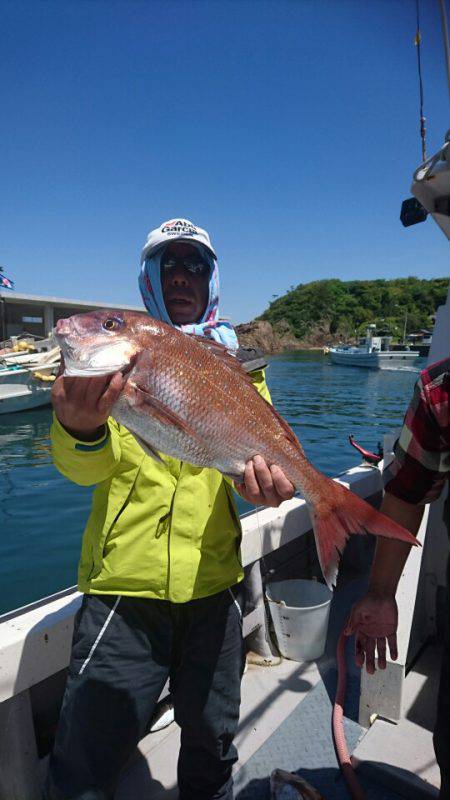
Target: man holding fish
[(164, 439), (159, 567)]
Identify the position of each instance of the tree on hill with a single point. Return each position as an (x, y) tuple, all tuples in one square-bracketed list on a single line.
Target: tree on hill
[(346, 307)]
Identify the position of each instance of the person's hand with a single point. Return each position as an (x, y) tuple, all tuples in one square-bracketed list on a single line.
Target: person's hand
[(264, 485), (373, 620), (83, 405)]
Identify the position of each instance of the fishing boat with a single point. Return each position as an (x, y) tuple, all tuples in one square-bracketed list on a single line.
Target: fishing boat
[(26, 380), (373, 352), (42, 359), (286, 704), (24, 396)]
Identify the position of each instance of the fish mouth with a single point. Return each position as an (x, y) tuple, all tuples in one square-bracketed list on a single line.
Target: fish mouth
[(64, 331), (76, 367), (62, 335), (67, 327), (61, 341)]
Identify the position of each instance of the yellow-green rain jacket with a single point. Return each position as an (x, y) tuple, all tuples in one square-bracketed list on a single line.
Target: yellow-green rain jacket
[(160, 530)]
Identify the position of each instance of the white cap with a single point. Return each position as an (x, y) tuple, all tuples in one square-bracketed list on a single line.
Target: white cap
[(180, 230)]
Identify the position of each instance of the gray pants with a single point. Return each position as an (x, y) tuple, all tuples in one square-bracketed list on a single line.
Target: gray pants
[(124, 649)]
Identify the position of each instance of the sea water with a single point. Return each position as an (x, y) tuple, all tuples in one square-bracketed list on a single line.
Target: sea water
[(42, 514)]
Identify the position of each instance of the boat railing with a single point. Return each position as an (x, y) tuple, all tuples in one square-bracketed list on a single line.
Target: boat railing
[(35, 641)]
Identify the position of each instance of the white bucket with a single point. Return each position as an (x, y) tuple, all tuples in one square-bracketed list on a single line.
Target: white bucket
[(300, 611)]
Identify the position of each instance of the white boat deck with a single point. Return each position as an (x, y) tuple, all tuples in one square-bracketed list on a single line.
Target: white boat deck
[(36, 646), (269, 695), (402, 756), (397, 757)]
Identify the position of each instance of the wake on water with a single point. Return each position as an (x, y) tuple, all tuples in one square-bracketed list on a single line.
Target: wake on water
[(401, 369)]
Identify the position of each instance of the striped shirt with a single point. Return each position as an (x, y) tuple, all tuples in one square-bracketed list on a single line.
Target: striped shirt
[(421, 462)]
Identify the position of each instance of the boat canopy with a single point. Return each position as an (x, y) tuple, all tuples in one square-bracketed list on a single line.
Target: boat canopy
[(431, 186)]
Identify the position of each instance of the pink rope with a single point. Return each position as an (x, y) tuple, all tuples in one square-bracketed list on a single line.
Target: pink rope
[(340, 744)]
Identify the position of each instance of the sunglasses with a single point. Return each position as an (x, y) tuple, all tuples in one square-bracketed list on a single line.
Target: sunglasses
[(192, 264)]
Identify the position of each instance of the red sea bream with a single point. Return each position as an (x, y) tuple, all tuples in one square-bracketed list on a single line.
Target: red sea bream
[(189, 398)]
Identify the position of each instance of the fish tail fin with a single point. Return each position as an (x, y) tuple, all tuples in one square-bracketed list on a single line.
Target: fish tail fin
[(338, 513)]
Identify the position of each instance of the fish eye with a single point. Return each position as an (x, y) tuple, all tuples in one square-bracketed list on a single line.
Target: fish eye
[(112, 324)]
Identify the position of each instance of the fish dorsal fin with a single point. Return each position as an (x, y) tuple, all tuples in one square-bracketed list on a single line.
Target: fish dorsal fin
[(210, 344), (224, 355)]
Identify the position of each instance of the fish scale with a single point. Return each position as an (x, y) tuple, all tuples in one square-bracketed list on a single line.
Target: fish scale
[(219, 413), (187, 397)]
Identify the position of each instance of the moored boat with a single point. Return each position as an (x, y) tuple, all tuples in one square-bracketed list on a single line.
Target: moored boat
[(33, 393), (26, 380), (49, 358), (373, 352)]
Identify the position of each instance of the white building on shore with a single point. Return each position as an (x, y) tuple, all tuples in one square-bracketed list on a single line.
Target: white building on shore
[(35, 314)]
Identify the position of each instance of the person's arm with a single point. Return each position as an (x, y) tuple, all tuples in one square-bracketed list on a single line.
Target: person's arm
[(83, 405), (391, 555), (414, 478), (374, 618), (85, 444)]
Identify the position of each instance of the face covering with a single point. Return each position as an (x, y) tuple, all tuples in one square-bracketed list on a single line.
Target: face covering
[(209, 325)]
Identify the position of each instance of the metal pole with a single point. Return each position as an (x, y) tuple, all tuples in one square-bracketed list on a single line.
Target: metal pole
[(446, 46), (260, 649), (418, 42), (3, 315)]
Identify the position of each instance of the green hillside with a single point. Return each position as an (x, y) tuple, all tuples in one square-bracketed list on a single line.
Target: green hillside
[(348, 306)]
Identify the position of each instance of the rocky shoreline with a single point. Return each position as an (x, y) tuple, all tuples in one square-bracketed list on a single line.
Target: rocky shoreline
[(278, 338)]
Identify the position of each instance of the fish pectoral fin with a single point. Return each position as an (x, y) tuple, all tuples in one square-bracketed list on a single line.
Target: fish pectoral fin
[(162, 412), (147, 448), (234, 476)]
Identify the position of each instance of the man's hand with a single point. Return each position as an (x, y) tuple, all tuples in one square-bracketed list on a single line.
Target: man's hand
[(264, 485), (373, 620), (83, 405)]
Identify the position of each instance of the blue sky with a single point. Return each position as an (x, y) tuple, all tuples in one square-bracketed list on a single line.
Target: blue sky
[(288, 129)]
